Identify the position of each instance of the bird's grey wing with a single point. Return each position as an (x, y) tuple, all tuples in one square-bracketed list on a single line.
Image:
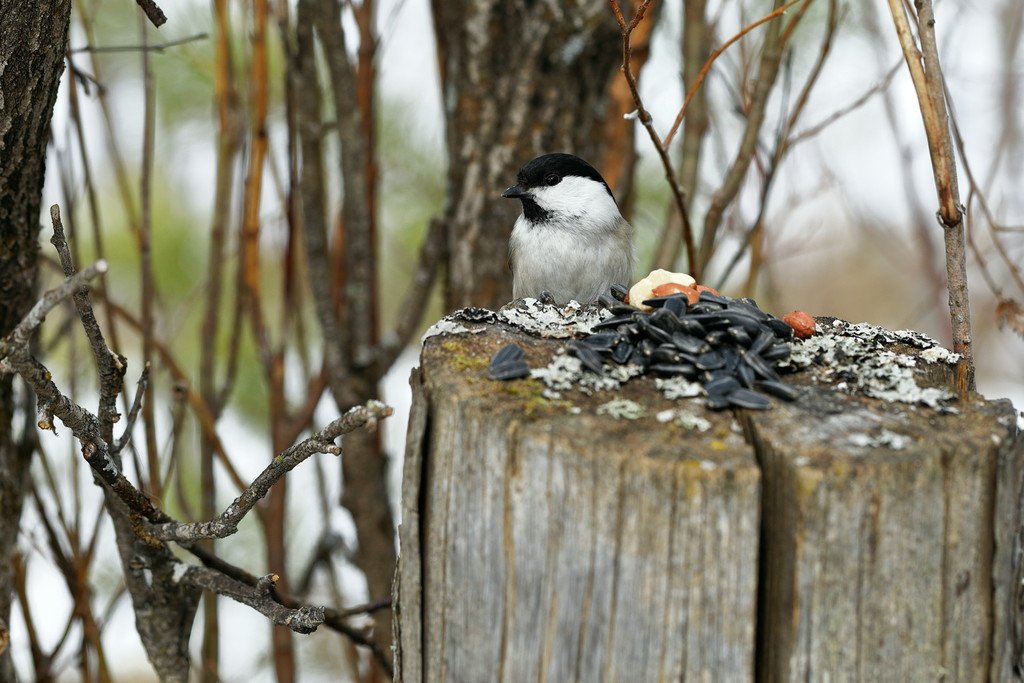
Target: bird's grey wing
[(511, 257)]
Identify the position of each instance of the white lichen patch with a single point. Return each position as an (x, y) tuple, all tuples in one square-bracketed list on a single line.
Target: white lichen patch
[(566, 372), (674, 388), (684, 419), (855, 358), (622, 409), (884, 439), (939, 354), (560, 374), (463, 321), (553, 321), (444, 326)]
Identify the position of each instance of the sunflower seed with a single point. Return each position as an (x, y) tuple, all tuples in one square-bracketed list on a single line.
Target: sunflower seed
[(780, 389), (589, 357), (745, 398)]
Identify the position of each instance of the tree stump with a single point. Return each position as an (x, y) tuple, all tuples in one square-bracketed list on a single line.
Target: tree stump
[(836, 537)]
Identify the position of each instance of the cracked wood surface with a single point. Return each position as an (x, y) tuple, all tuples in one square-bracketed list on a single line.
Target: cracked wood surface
[(538, 544)]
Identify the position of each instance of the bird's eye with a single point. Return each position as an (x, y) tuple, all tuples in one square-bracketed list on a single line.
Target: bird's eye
[(552, 179)]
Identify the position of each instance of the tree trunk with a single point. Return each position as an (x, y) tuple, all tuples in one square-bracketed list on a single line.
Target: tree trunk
[(519, 79), (833, 537), (32, 45)]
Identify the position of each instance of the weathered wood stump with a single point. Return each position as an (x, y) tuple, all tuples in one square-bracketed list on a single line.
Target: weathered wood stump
[(836, 537)]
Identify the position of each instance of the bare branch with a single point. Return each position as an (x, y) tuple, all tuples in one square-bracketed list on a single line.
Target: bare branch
[(333, 618), (648, 123), (767, 73), (304, 619), (778, 12), (877, 88), (18, 339), (158, 47), (133, 414), (110, 365), (926, 74), (321, 442)]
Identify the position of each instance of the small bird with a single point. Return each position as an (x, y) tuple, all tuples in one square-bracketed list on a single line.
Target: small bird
[(570, 241)]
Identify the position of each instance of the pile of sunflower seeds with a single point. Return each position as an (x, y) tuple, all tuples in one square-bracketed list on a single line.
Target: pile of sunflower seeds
[(729, 346)]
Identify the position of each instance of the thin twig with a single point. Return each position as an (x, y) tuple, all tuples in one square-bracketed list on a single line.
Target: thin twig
[(19, 337), (147, 285), (110, 366), (333, 619), (926, 74), (767, 73), (321, 442), (864, 98), (304, 619), (645, 118), (157, 47), (133, 414), (711, 60)]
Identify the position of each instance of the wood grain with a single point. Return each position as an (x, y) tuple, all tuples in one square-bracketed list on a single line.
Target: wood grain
[(571, 546)]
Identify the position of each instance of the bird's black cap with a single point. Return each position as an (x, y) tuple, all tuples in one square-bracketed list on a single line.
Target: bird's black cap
[(534, 172)]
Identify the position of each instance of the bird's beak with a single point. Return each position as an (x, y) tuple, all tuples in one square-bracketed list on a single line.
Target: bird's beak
[(514, 192)]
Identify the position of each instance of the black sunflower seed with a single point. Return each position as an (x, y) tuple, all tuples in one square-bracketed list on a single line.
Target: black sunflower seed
[(740, 335), (762, 342), (716, 337), (777, 351), (677, 304), (690, 326), (717, 402), (721, 386), (745, 375), (665, 355), (709, 298), (759, 366), (589, 357), (638, 358), (507, 363), (622, 352), (689, 344), (510, 369), (620, 292), (746, 307), (711, 360), (780, 389), (745, 398), (653, 331), (683, 369), (602, 340), (665, 319), (613, 322), (781, 329), (506, 353), (606, 300)]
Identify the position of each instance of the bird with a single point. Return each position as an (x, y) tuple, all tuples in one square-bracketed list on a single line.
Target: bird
[(570, 241)]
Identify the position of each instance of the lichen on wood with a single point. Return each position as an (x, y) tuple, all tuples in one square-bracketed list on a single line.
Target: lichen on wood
[(835, 535)]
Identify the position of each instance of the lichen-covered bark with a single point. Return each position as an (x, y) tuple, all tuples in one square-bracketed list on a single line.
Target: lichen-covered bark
[(519, 79), (31, 62), (832, 537)]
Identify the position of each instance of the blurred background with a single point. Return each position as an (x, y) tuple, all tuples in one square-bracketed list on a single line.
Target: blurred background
[(265, 176)]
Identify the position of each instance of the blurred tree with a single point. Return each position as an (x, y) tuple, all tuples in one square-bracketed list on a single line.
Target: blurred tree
[(518, 79), (32, 46)]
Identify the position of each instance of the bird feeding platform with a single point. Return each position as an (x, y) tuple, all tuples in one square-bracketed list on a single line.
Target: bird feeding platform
[(870, 529)]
